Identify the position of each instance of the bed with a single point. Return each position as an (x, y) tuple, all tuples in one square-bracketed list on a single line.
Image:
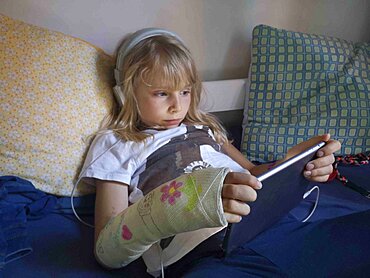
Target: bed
[(55, 90)]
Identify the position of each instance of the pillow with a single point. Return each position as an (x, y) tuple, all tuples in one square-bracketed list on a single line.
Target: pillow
[(54, 92), (303, 85)]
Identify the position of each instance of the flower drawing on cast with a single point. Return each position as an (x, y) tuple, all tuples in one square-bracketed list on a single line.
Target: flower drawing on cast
[(170, 192)]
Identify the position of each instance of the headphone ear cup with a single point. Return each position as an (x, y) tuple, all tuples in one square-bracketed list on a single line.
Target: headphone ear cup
[(118, 94)]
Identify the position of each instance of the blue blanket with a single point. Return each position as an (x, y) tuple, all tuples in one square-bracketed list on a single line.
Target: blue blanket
[(19, 201), (41, 237)]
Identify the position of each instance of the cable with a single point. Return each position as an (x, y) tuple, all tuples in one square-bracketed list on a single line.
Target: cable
[(316, 201), (73, 208), (79, 179), (161, 258)]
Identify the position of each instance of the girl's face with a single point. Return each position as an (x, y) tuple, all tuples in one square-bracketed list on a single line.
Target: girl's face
[(161, 107)]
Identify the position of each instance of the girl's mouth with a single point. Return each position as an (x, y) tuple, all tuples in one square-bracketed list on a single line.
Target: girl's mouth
[(173, 122)]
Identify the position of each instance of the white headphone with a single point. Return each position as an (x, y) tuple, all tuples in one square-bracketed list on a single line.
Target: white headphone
[(126, 47)]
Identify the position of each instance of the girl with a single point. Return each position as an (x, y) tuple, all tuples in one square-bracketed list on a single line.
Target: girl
[(157, 132)]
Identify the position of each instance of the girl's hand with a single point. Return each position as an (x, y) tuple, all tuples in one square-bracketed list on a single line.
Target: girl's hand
[(319, 169), (238, 189)]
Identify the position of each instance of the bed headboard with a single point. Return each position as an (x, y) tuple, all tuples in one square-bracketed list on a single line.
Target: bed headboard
[(224, 95)]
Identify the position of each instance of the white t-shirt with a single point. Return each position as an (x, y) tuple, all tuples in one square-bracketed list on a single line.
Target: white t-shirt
[(163, 157)]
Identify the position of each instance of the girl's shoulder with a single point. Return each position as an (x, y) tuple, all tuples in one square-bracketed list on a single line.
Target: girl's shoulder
[(108, 139), (106, 142), (106, 136)]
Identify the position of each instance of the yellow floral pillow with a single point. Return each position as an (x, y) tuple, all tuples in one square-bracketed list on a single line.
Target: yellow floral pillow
[(54, 92)]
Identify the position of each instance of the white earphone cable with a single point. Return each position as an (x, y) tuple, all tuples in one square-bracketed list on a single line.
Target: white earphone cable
[(79, 179), (316, 201)]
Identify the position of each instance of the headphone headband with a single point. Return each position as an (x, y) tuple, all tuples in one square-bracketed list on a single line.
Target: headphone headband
[(127, 46)]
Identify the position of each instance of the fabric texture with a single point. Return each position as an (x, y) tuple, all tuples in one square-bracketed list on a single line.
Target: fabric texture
[(54, 92), (303, 85), (13, 234), (19, 201), (187, 203)]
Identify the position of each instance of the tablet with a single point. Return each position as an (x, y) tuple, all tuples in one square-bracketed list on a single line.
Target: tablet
[(283, 189)]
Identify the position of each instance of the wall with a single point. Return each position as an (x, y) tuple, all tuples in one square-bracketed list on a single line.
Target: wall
[(218, 32)]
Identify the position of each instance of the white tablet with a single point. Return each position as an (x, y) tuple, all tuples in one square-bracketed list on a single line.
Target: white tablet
[(307, 153)]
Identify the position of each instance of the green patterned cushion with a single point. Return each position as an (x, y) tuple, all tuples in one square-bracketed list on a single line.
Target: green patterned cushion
[(302, 85)]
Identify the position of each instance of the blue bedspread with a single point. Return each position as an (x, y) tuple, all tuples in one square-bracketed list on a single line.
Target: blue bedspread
[(13, 231), (40, 236)]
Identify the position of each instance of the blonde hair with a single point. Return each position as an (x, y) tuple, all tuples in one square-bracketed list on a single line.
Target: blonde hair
[(168, 58)]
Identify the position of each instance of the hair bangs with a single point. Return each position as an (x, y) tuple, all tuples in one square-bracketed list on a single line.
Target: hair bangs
[(173, 72)]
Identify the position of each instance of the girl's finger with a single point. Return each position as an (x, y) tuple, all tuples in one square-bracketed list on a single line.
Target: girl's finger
[(318, 178), (242, 178), (232, 218), (331, 147), (323, 171), (235, 207), (240, 192), (320, 162)]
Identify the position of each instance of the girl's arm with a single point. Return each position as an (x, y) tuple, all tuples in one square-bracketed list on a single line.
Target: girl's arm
[(111, 199), (238, 157), (317, 170)]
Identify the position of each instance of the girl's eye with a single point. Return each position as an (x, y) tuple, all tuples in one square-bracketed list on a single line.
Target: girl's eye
[(185, 92), (160, 94)]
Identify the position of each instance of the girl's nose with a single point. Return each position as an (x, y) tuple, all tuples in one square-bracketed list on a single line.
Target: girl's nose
[(175, 105)]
